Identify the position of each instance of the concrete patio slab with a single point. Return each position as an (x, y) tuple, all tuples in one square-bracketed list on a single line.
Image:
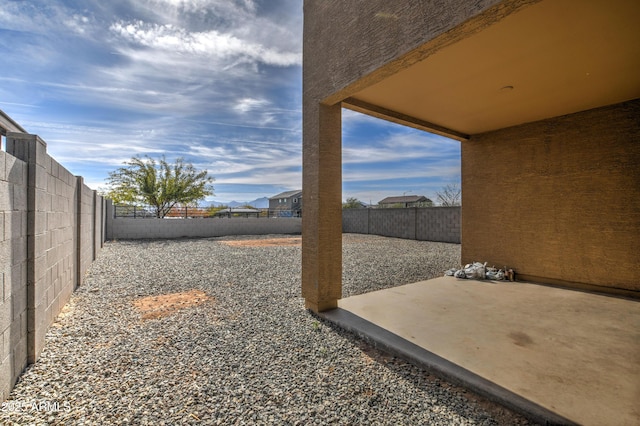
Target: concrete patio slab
[(560, 355)]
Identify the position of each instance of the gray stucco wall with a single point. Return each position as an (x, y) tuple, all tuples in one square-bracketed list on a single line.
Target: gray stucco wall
[(421, 223)]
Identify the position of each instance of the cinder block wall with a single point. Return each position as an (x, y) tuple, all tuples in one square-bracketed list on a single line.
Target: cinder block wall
[(51, 274), (399, 223), (47, 230), (558, 200), (421, 223), (128, 228), (13, 270), (439, 224), (355, 221)]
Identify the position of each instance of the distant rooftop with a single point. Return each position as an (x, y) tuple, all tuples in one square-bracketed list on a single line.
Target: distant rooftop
[(404, 199), (287, 194)]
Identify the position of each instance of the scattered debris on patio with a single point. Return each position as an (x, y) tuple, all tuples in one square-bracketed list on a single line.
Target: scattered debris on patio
[(268, 242), (154, 307), (480, 271)]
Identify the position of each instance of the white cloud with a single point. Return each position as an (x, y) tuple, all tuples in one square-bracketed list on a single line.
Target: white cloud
[(231, 10), (235, 158), (78, 23), (399, 147), (213, 43), (289, 178), (249, 104), (447, 171), (43, 18)]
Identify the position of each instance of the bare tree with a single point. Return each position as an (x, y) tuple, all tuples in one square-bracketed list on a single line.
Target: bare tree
[(451, 195)]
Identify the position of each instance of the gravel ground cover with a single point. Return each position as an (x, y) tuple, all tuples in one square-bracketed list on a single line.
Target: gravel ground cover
[(232, 343)]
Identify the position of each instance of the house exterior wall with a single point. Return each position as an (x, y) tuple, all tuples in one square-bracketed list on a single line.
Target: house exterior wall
[(347, 49), (405, 205), (558, 200), (296, 202), (293, 202), (274, 203)]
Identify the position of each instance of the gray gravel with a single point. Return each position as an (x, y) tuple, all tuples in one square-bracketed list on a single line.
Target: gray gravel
[(250, 355)]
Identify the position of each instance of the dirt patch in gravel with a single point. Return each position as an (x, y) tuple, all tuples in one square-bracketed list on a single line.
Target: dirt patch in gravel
[(268, 242), (154, 307)]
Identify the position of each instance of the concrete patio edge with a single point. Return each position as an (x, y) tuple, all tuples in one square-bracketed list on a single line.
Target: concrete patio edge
[(396, 345)]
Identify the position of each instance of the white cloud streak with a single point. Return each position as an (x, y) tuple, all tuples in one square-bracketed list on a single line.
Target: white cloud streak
[(214, 81), (399, 147), (211, 43)]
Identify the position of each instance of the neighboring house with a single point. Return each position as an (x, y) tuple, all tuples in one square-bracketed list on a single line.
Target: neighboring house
[(289, 203), (406, 201)]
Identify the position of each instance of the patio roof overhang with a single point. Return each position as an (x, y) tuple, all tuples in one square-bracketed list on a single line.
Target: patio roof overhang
[(552, 58), (469, 70)]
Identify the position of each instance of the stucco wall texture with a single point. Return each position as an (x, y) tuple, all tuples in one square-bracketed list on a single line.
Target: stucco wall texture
[(372, 33), (376, 37), (558, 200)]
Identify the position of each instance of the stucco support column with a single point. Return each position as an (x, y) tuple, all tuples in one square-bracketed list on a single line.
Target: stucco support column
[(322, 206)]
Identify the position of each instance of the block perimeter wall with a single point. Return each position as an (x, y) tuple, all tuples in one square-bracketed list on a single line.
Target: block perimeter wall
[(131, 229), (47, 237), (417, 223)]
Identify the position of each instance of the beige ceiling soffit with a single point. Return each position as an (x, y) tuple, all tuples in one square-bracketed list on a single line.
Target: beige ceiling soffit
[(8, 125), (466, 29), (399, 118)]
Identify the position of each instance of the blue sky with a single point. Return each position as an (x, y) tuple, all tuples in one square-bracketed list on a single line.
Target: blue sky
[(218, 82)]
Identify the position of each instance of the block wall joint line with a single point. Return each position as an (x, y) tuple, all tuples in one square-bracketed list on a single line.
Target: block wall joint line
[(78, 233), (93, 234)]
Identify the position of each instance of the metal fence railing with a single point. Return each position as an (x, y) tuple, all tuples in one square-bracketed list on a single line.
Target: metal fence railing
[(132, 211), (142, 212), (283, 213)]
